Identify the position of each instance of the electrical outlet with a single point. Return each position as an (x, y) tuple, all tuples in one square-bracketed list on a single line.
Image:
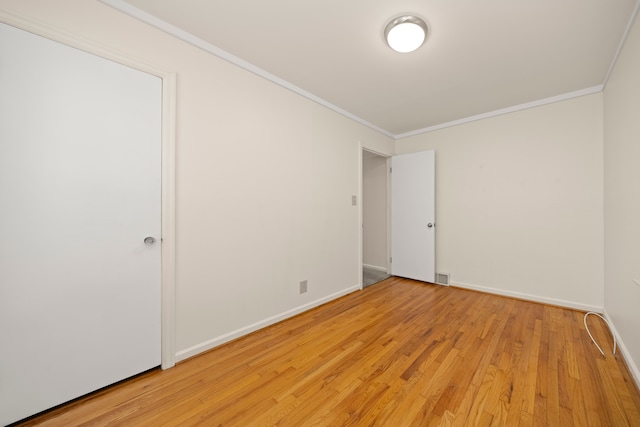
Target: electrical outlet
[(303, 286)]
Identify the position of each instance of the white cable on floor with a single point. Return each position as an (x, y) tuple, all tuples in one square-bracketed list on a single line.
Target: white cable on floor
[(615, 342)]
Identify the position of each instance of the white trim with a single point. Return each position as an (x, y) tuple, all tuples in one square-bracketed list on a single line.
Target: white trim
[(143, 16), (168, 162), (513, 109), (360, 224), (528, 297), (222, 339), (389, 213), (164, 26), (375, 267), (377, 153), (635, 372), (168, 310), (625, 36), (147, 18)]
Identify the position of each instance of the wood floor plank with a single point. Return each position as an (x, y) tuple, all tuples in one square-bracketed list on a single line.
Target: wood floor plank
[(399, 353)]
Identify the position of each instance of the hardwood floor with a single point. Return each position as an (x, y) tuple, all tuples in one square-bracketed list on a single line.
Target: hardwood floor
[(399, 353)]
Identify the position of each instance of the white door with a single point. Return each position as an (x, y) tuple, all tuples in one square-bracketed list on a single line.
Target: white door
[(413, 216), (80, 153)]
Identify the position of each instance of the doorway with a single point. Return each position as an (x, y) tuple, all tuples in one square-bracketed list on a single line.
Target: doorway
[(375, 218)]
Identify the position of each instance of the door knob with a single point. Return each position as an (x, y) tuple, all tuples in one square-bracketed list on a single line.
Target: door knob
[(149, 240)]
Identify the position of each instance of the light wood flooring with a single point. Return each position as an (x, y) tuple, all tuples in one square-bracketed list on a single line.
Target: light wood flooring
[(399, 353)]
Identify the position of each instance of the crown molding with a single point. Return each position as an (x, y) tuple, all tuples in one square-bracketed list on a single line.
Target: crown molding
[(625, 36), (513, 109), (164, 26)]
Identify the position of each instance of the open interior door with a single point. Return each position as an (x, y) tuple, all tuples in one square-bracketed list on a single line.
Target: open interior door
[(413, 216)]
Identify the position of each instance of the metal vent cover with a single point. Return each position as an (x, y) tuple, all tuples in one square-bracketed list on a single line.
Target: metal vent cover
[(442, 278)]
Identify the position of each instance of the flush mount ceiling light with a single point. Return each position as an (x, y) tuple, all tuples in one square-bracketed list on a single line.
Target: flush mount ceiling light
[(406, 33)]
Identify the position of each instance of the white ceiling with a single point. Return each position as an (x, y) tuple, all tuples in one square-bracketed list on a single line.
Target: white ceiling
[(480, 56)]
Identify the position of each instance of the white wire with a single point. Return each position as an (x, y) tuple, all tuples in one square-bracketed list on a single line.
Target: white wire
[(615, 342)]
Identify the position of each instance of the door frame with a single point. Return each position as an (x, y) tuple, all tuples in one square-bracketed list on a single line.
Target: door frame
[(168, 267), (362, 148)]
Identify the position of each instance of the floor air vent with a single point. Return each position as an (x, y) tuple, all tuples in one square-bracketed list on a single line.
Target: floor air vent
[(442, 278)]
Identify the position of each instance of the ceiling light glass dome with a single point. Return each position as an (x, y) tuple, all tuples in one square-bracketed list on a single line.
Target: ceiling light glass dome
[(406, 33)]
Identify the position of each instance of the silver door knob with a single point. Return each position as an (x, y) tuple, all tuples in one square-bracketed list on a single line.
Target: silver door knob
[(430, 225), (149, 240)]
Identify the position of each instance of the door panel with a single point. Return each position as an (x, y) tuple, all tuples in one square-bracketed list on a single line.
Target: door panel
[(80, 168), (412, 210)]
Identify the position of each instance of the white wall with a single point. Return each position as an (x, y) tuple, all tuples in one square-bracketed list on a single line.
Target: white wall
[(519, 202), (374, 211), (622, 198), (264, 180)]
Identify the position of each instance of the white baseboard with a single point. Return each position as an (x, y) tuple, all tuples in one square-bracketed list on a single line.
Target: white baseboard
[(375, 267), (208, 345), (635, 372), (528, 297)]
